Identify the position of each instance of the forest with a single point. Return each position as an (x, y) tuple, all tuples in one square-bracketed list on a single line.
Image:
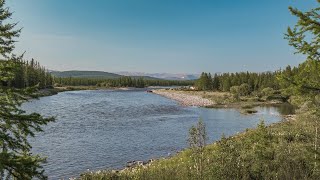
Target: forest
[(29, 74), (224, 81), (123, 81), (285, 81)]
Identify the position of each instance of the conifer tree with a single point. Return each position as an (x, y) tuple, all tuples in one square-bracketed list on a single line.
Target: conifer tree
[(16, 160), (305, 38)]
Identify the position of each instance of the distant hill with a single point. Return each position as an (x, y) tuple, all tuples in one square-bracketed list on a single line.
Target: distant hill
[(85, 74), (95, 74), (146, 77), (167, 76)]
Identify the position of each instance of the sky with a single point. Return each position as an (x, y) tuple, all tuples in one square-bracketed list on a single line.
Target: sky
[(173, 36)]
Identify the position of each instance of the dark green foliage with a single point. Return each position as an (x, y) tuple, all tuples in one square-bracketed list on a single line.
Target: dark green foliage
[(267, 91), (235, 90), (305, 38), (8, 32), (249, 82), (16, 160), (205, 82), (304, 79), (123, 81), (16, 126), (244, 89), (29, 74)]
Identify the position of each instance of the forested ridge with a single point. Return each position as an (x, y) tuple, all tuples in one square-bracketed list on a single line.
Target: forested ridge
[(123, 81), (31, 73)]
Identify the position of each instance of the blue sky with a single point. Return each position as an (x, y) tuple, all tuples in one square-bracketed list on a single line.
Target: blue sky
[(175, 36)]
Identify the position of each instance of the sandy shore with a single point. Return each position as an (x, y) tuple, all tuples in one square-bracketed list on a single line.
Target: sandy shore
[(185, 99)]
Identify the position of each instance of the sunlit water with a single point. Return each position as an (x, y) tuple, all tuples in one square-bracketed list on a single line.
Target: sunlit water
[(104, 129)]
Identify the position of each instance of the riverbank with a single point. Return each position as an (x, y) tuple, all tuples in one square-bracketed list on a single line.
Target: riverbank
[(56, 90), (210, 99), (260, 153), (230, 156)]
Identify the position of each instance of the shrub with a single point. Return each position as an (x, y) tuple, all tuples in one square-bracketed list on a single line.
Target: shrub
[(267, 91), (244, 89)]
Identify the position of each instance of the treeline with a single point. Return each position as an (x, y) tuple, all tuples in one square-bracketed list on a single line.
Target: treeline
[(124, 81), (224, 82), (301, 80), (30, 73)]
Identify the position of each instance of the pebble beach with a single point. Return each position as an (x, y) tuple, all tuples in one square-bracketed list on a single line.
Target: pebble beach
[(185, 99)]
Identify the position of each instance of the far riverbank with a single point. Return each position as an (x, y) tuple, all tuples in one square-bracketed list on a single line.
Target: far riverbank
[(56, 90), (210, 99)]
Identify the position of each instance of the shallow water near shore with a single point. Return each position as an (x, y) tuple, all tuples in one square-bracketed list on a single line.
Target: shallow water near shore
[(103, 129)]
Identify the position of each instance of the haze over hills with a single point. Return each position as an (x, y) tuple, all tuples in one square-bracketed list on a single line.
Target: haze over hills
[(102, 74), (168, 76)]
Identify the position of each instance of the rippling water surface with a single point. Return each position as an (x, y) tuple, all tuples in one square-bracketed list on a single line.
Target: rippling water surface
[(104, 129)]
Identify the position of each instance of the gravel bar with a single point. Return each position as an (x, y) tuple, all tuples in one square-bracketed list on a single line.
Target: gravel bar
[(186, 99)]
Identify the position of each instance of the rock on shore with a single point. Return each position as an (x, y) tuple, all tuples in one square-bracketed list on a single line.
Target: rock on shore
[(185, 99)]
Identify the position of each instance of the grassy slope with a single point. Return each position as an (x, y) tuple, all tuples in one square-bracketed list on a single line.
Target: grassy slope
[(281, 151)]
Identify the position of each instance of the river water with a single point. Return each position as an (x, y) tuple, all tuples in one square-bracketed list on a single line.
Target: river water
[(103, 129)]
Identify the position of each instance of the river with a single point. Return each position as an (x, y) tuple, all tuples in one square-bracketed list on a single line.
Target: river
[(103, 129)]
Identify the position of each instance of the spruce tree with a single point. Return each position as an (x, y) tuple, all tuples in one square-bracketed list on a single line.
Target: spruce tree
[(16, 160), (305, 38)]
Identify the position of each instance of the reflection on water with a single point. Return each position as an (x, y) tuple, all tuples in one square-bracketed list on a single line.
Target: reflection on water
[(286, 109), (282, 109), (104, 129)]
